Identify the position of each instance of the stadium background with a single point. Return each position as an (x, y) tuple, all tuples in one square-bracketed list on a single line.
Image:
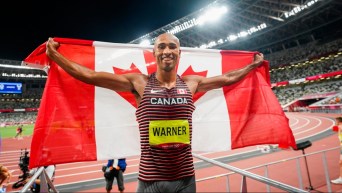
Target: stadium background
[(301, 39)]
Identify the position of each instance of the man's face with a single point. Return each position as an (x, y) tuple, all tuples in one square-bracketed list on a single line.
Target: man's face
[(166, 51)]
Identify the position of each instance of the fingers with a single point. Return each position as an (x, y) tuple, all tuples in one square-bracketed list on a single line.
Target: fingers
[(258, 59), (52, 42), (259, 55), (51, 45), (49, 42)]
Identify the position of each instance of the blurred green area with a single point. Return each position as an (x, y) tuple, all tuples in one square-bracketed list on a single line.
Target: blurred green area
[(11, 131)]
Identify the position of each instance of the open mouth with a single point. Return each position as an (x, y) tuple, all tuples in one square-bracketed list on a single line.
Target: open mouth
[(167, 59)]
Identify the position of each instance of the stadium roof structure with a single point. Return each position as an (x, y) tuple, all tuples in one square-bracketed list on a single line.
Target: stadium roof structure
[(257, 25), (261, 25)]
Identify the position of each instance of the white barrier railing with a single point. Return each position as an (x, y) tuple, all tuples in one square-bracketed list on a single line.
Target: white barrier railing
[(45, 182), (264, 179)]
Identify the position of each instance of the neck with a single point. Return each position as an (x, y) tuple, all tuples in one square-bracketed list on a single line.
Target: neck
[(166, 79)]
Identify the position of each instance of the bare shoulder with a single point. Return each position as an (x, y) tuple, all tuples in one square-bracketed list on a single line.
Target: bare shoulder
[(138, 82), (192, 81)]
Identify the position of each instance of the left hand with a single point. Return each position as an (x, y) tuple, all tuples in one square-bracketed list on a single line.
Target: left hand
[(51, 47), (258, 59)]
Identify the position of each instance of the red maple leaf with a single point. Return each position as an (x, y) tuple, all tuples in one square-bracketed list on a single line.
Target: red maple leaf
[(150, 62), (151, 67)]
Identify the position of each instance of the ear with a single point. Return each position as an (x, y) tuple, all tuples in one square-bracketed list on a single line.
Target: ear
[(180, 51), (154, 53)]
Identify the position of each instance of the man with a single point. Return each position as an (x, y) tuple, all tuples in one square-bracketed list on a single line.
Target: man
[(19, 132), (166, 164), (339, 130), (115, 171)]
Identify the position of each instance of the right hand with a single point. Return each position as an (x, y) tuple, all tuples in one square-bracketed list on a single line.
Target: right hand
[(51, 47), (258, 59)]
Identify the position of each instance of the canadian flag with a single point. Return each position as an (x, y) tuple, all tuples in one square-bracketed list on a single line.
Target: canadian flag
[(80, 122)]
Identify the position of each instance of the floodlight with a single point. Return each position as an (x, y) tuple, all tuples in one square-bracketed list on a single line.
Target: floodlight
[(232, 37), (212, 14), (243, 34), (145, 43)]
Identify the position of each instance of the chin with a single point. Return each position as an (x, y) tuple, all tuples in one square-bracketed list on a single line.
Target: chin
[(169, 67)]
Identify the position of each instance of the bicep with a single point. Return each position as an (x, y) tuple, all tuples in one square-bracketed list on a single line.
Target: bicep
[(206, 84), (203, 84), (111, 81)]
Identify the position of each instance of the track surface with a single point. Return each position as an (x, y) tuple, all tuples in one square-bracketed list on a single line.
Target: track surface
[(88, 177)]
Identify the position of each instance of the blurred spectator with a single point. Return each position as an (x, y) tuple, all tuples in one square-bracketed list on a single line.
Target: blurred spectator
[(5, 177), (339, 131)]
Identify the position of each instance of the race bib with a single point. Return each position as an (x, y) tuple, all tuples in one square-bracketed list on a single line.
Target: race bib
[(164, 132)]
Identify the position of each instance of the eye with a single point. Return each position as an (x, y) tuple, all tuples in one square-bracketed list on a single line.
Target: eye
[(173, 46), (161, 46)]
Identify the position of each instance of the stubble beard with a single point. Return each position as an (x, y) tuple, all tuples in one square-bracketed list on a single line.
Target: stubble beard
[(167, 67)]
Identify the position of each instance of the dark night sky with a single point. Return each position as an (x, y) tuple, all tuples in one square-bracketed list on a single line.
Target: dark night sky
[(27, 24)]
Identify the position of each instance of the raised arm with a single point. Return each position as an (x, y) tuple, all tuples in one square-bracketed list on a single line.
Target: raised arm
[(102, 79), (202, 84)]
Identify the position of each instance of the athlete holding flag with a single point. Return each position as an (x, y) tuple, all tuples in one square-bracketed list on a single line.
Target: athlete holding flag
[(164, 114)]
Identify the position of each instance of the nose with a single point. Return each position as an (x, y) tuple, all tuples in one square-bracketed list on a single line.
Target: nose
[(167, 50)]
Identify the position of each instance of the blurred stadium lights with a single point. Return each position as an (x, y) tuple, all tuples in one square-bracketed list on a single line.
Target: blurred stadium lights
[(211, 15), (233, 37), (145, 42), (17, 75), (218, 9), (14, 66), (298, 9)]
